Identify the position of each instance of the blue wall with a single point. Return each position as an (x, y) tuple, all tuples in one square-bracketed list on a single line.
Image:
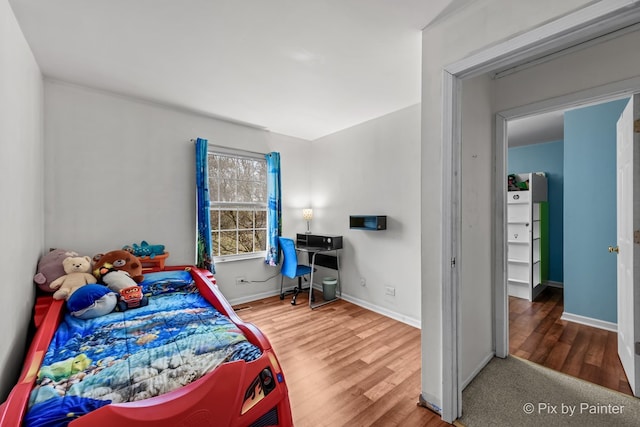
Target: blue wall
[(547, 157), (590, 210)]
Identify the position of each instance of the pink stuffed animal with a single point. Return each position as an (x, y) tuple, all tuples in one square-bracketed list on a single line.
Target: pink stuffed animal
[(50, 268)]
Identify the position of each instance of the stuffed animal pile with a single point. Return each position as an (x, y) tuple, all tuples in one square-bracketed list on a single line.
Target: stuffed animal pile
[(121, 272), (92, 287), (85, 299)]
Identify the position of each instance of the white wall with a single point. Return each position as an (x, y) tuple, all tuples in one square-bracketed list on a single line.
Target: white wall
[(373, 169), (450, 39), (120, 170), (587, 68), (21, 178)]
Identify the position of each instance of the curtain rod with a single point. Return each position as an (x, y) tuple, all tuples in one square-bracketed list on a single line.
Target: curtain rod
[(239, 150)]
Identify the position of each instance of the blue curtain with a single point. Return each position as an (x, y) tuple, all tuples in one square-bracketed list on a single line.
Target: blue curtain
[(204, 259), (274, 208)]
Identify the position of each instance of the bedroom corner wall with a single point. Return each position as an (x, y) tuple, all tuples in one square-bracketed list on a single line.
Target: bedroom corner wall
[(121, 170), (373, 169), (21, 187)]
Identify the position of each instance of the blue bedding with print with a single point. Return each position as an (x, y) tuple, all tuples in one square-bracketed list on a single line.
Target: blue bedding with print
[(136, 354)]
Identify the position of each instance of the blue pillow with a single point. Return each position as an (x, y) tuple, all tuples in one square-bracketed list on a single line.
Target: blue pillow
[(162, 282), (85, 296)]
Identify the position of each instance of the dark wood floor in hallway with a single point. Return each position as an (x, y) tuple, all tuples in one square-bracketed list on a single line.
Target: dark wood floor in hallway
[(536, 333)]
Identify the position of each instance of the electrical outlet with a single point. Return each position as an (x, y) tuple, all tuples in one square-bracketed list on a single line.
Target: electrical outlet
[(390, 290), (363, 281), (241, 281)]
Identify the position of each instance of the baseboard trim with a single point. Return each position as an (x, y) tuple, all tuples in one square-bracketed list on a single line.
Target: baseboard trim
[(430, 402), (554, 284), (589, 321), (364, 304), (255, 297), (477, 370), (384, 311)]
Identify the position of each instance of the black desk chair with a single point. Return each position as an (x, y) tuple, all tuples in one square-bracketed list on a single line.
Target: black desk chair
[(292, 269)]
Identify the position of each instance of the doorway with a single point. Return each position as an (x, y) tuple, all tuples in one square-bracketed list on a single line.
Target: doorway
[(573, 333), (547, 39)]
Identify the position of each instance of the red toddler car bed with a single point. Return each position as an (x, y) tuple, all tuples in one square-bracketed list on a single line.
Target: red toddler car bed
[(236, 393)]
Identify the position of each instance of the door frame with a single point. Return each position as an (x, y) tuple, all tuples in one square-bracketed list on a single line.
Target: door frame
[(549, 40), (598, 95)]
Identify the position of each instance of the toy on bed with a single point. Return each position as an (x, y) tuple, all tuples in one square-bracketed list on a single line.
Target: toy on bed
[(121, 272), (118, 260), (77, 273), (184, 359), (129, 293), (84, 298), (91, 301), (144, 249), (50, 268)]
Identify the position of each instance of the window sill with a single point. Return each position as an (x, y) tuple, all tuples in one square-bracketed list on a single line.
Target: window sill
[(239, 257)]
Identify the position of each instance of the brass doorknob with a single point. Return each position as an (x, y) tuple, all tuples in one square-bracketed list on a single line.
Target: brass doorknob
[(614, 249)]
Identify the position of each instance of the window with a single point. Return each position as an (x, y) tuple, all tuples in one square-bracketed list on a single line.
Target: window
[(238, 200)]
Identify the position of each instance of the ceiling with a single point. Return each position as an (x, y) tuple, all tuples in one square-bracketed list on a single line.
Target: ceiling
[(544, 127), (300, 68)]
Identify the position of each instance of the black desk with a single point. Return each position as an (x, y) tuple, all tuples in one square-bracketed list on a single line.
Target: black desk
[(318, 248)]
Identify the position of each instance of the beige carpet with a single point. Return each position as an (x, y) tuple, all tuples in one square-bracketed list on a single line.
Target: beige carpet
[(515, 392)]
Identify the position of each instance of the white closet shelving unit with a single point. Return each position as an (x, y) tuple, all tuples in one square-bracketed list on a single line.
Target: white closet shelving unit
[(525, 237)]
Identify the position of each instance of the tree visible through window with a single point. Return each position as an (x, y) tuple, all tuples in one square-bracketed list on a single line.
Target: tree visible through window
[(238, 196)]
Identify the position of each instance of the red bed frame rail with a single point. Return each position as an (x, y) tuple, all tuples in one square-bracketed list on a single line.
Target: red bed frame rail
[(235, 394)]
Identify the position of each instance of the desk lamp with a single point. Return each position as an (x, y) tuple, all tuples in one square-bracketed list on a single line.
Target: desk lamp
[(307, 215)]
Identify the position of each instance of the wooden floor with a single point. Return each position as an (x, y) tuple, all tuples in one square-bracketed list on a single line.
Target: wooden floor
[(536, 333), (344, 365)]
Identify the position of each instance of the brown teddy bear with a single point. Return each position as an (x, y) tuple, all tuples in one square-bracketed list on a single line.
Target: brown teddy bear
[(118, 260), (78, 271)]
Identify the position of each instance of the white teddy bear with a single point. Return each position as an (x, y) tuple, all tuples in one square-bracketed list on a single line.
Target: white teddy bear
[(78, 274)]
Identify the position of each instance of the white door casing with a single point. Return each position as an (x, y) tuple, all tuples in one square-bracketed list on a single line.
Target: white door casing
[(570, 30), (628, 199)]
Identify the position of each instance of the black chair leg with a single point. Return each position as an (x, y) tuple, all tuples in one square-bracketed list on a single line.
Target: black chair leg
[(281, 285), (295, 291), (284, 293), (298, 289)]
